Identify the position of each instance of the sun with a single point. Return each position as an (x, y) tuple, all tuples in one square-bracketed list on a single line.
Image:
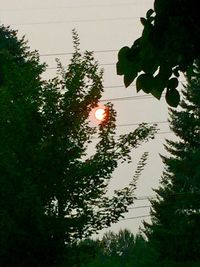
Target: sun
[(100, 114)]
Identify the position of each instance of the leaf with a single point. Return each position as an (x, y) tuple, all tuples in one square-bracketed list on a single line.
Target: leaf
[(137, 42), (159, 86), (176, 72), (149, 13), (120, 68), (143, 21), (133, 54), (129, 78), (123, 53), (172, 97), (157, 92), (144, 82), (165, 71), (148, 64), (172, 83)]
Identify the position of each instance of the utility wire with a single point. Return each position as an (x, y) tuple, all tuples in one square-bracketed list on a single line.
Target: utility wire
[(127, 98), (71, 53), (65, 7), (131, 124), (139, 207), (75, 21), (163, 132), (171, 194), (136, 217), (118, 86), (145, 197), (101, 64)]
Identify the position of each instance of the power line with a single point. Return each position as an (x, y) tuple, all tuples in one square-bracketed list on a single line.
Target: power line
[(65, 7), (168, 195), (71, 53), (145, 197), (137, 123), (163, 132), (118, 86), (151, 197), (139, 207), (136, 217), (131, 124), (101, 64), (75, 21), (148, 206), (144, 96), (128, 98)]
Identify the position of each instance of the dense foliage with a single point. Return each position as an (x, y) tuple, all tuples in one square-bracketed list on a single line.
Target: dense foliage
[(22, 228), (121, 249), (175, 231), (169, 44), (51, 192)]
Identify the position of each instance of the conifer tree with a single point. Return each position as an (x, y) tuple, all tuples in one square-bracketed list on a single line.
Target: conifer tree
[(175, 213)]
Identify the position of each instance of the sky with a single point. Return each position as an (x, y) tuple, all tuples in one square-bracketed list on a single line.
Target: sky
[(103, 27)]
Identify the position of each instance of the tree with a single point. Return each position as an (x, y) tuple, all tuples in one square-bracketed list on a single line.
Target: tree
[(21, 209), (169, 45), (118, 244), (176, 212), (52, 194), (123, 249)]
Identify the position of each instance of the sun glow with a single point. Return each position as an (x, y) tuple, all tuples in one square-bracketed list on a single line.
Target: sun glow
[(100, 114)]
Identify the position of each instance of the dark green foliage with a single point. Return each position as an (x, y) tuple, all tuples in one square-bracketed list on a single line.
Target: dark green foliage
[(127, 250), (51, 193), (175, 231), (169, 45), (122, 249), (22, 232), (172, 97)]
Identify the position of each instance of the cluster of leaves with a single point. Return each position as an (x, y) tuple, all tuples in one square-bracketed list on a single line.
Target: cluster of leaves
[(174, 231), (52, 193), (169, 45)]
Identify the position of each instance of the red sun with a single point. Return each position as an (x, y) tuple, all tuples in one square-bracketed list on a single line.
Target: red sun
[(100, 114)]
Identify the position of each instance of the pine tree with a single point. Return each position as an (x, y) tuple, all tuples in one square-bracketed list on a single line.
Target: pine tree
[(175, 213)]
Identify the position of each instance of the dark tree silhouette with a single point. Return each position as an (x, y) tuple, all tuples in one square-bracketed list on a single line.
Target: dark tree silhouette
[(176, 213), (22, 229), (51, 193), (169, 44), (122, 249)]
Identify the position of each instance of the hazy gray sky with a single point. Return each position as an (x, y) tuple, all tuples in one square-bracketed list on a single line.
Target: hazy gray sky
[(104, 26)]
